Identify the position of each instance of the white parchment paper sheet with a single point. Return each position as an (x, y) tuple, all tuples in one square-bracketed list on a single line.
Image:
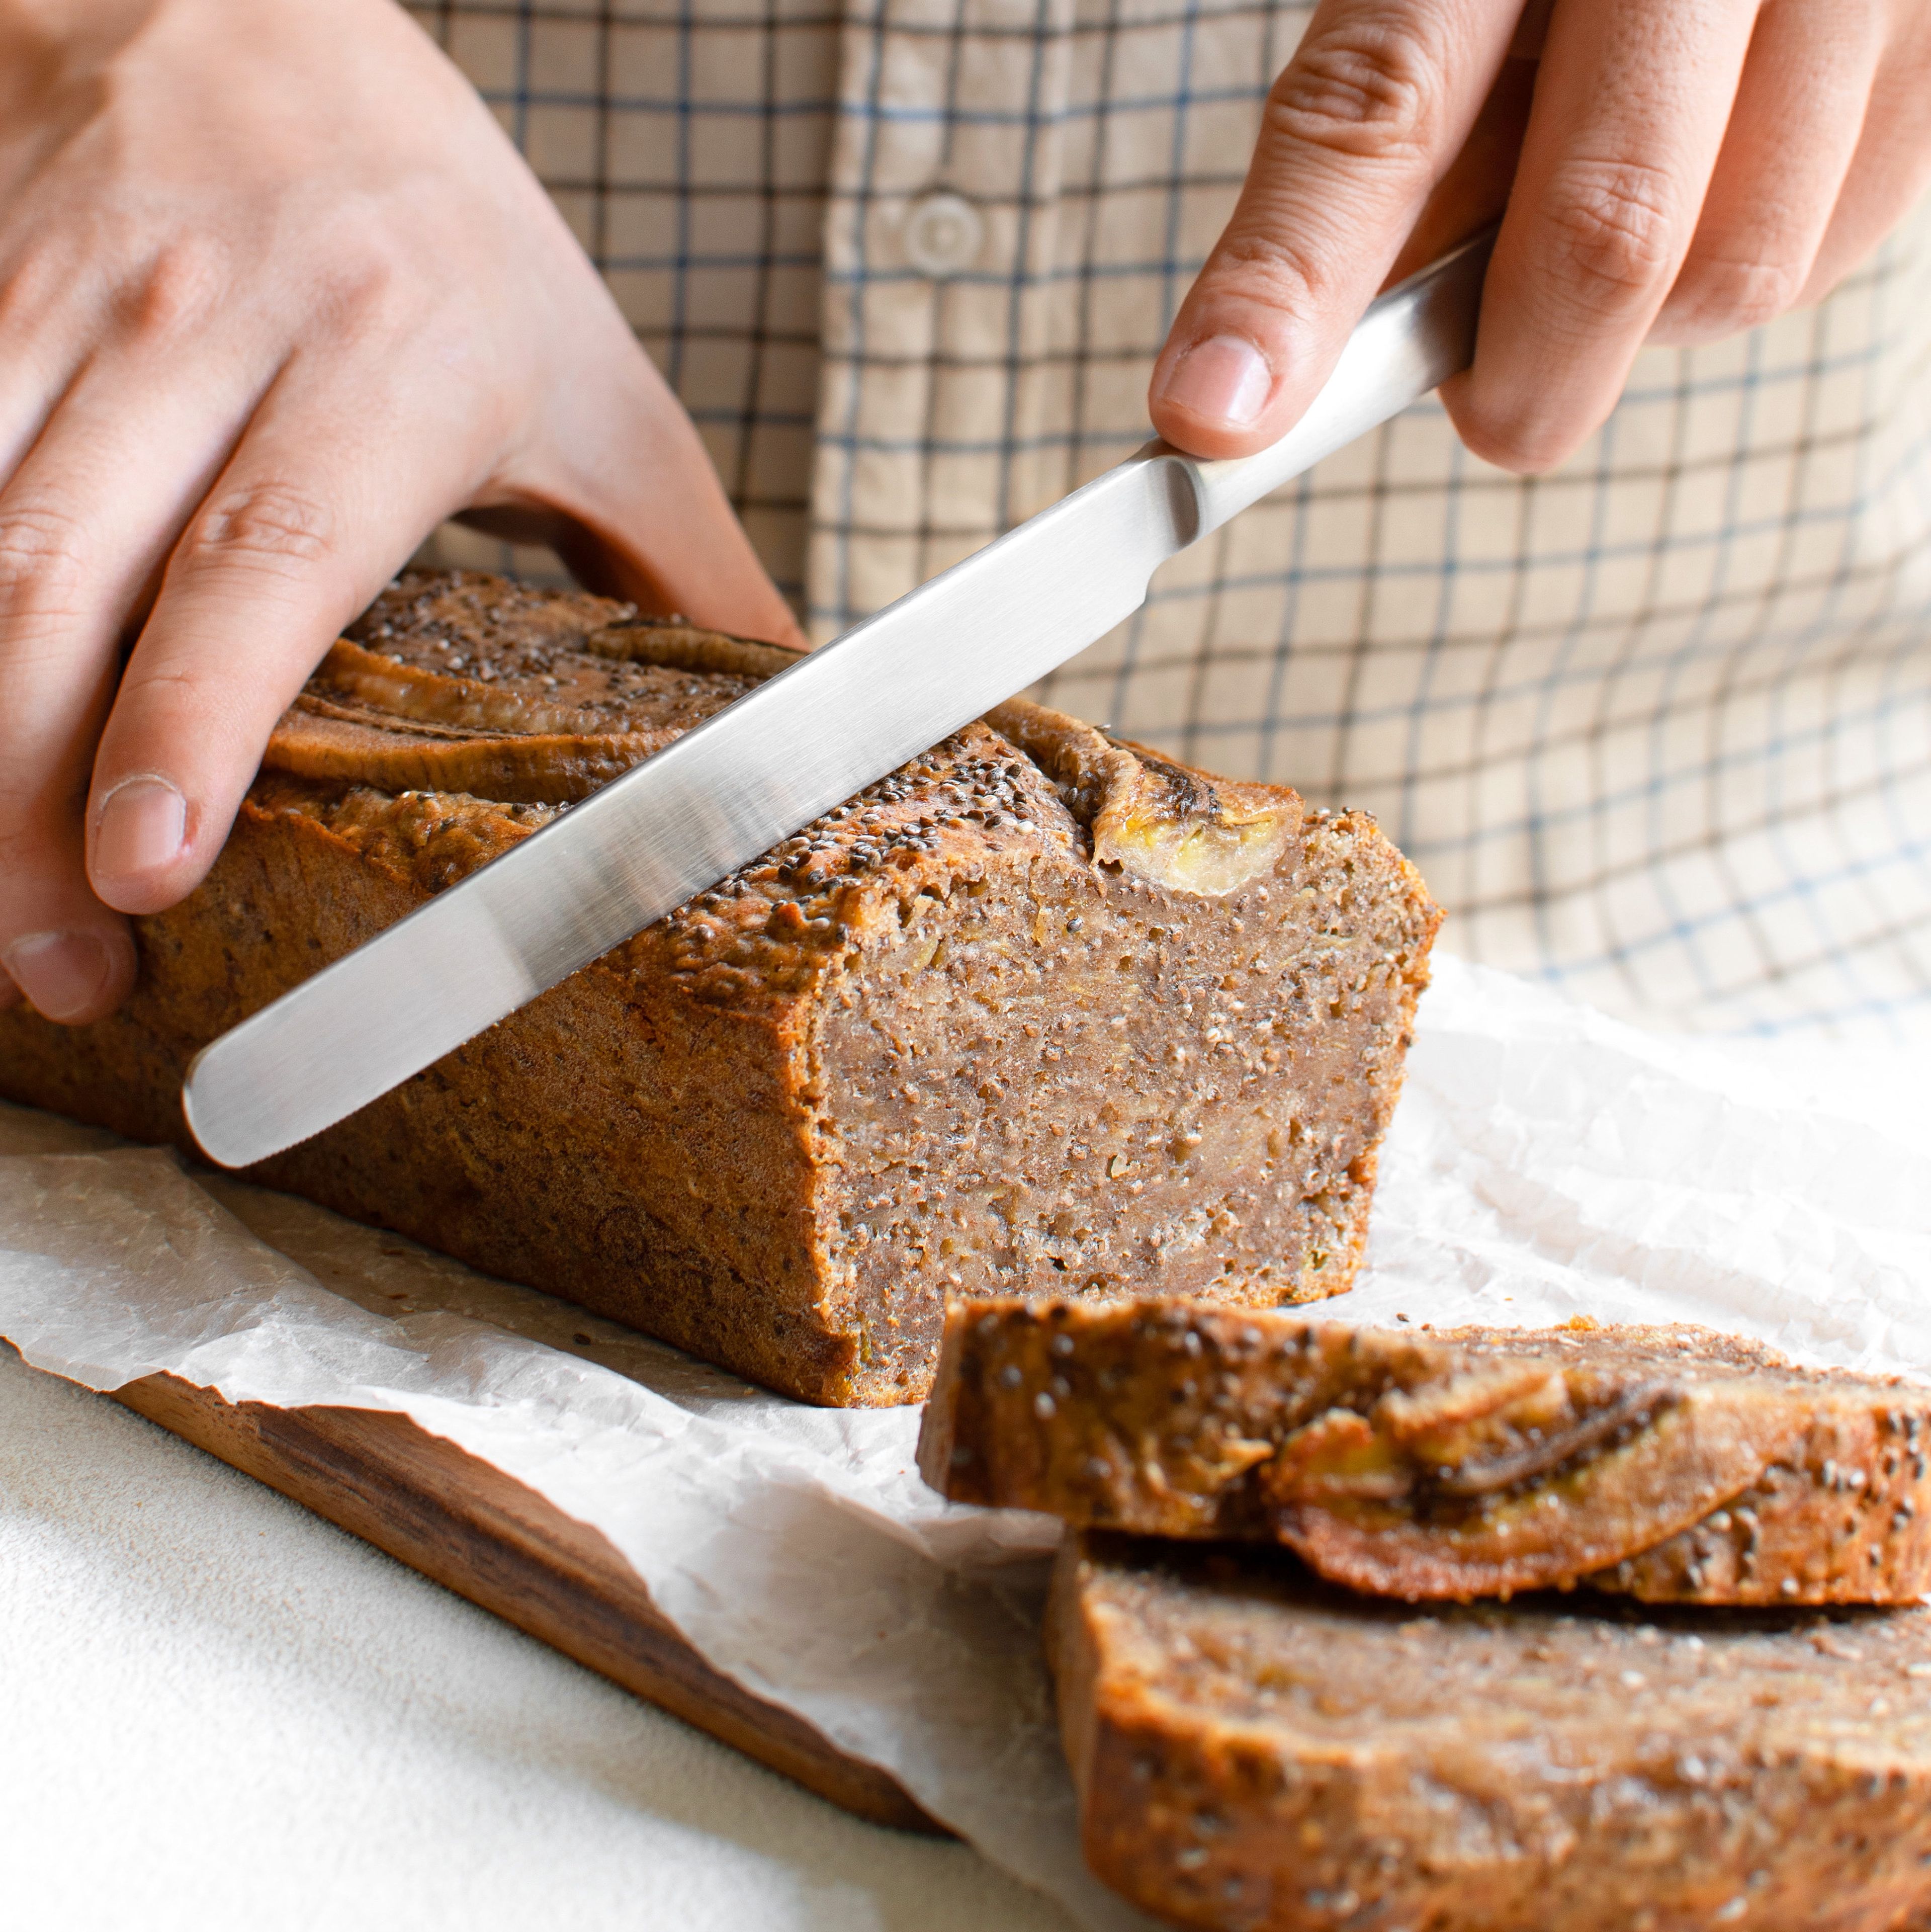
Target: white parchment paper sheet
[(1545, 1161)]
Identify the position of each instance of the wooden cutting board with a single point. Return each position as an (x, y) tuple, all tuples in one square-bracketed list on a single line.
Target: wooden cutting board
[(485, 1536)]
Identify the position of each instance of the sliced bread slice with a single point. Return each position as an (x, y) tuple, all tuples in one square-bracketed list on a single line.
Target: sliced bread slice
[(1668, 1462)]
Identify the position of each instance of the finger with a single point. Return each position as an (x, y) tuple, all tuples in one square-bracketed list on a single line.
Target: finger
[(84, 522), (58, 307), (60, 947), (1890, 170), (338, 476), (43, 343), (350, 459), (323, 501), (1799, 108), (1631, 102), (1379, 98)]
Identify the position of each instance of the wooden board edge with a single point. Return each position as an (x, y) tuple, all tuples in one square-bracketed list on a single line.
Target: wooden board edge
[(468, 1527)]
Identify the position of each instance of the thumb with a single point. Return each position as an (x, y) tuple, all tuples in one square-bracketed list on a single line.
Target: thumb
[(1362, 123)]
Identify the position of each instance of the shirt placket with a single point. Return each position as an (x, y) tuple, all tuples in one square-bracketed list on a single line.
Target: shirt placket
[(939, 243)]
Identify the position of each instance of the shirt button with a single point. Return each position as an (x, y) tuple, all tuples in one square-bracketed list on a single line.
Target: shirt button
[(943, 234)]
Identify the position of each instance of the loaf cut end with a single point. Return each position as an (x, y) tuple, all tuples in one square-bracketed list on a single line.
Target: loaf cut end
[(1040, 1013)]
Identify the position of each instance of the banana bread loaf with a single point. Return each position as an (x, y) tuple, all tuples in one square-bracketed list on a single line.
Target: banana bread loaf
[(1670, 1463), (1039, 1011), (1257, 1752)]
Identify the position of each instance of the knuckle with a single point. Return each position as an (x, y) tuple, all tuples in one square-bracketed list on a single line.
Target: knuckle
[(1273, 267), (179, 286), (274, 526), (170, 698), (1718, 298), (1613, 226), (192, 682), (1366, 89), (375, 290), (43, 561), (368, 302)]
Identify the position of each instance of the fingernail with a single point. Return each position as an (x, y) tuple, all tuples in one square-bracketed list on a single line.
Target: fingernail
[(143, 823), (1226, 378), (62, 974)]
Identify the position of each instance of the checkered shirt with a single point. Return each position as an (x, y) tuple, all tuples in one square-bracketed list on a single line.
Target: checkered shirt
[(1656, 726)]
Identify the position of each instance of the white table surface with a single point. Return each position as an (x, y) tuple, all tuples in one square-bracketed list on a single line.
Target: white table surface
[(217, 1709)]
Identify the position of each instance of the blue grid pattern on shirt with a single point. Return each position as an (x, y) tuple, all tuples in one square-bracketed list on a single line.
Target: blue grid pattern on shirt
[(1655, 726), (686, 144)]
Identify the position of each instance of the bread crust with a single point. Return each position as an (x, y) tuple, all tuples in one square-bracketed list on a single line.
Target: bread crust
[(1668, 1463), (1038, 1012), (1257, 1752)]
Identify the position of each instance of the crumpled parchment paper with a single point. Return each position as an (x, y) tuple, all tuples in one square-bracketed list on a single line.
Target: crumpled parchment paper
[(1545, 1161)]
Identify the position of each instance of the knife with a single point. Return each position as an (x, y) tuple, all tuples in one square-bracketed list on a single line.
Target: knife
[(786, 752)]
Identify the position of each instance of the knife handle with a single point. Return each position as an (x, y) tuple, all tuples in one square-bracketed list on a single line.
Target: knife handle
[(1417, 335)]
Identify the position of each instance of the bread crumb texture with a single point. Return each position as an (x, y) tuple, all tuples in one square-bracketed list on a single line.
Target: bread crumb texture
[(1256, 1751), (1039, 1013), (1666, 1463)]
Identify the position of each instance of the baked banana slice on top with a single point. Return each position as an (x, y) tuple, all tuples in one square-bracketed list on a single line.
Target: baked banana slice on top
[(1669, 1462)]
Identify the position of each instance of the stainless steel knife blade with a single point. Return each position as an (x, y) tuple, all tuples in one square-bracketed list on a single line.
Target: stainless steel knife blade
[(786, 752)]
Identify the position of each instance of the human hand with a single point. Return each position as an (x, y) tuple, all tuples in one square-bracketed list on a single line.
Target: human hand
[(276, 296), (1672, 170)]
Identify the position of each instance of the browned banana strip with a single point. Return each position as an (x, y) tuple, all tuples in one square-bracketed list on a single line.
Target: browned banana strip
[(1474, 1463)]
